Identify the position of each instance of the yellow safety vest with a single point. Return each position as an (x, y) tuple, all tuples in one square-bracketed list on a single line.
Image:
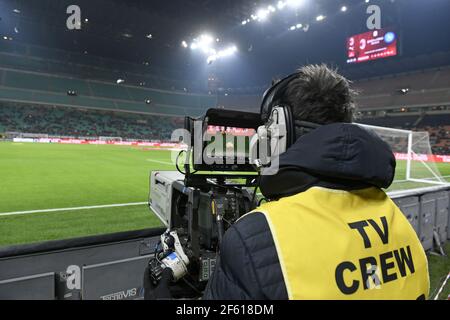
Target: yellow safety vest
[(346, 245)]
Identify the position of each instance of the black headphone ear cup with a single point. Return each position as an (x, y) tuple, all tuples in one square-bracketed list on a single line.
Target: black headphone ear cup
[(290, 127), (273, 94)]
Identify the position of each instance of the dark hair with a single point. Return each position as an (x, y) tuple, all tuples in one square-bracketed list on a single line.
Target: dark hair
[(320, 95)]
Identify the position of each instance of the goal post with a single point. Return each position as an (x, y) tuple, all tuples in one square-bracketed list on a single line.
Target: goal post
[(416, 164), (423, 162), (410, 153)]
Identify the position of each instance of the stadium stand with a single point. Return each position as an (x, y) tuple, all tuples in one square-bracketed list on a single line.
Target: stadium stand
[(387, 69), (423, 105), (32, 77), (424, 88), (31, 87), (63, 121), (59, 62), (430, 87), (439, 138), (49, 91), (438, 126)]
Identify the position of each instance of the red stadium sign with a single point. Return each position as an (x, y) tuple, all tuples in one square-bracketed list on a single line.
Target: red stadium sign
[(213, 130), (372, 45), (162, 145), (424, 157)]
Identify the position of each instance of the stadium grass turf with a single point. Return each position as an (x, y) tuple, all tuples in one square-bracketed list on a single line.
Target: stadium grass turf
[(48, 176), (38, 177), (439, 268)]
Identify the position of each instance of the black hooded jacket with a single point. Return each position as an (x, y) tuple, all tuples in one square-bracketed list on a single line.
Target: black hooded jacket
[(338, 156)]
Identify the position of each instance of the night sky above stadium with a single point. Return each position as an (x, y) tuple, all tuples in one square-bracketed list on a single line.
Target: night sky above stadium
[(153, 32)]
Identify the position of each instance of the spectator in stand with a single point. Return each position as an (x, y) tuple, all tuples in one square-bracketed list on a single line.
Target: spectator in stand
[(64, 121)]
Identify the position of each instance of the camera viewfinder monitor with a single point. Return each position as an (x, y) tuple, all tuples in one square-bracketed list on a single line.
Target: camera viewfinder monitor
[(226, 137)]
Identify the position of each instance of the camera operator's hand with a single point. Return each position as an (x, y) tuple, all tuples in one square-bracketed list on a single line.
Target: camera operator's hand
[(161, 291)]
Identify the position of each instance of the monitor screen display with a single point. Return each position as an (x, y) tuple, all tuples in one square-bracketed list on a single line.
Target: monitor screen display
[(372, 45)]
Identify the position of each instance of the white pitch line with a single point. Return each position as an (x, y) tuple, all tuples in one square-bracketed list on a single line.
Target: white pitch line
[(158, 161), (72, 209), (97, 207), (445, 177)]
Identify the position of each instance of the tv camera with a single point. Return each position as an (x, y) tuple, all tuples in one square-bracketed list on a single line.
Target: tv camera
[(198, 204)]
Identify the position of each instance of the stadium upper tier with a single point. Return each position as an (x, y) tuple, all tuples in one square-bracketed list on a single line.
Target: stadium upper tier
[(44, 75), (41, 88), (54, 61), (34, 74), (424, 89)]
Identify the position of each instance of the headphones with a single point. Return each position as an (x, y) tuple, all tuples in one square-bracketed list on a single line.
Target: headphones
[(280, 128)]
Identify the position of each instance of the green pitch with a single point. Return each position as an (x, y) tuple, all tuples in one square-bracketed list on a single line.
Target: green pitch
[(50, 176), (53, 176)]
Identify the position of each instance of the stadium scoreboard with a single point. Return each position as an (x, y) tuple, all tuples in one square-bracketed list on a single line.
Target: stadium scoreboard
[(372, 45)]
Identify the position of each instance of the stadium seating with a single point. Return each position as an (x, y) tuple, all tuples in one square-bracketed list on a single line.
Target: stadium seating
[(430, 87), (437, 125), (422, 80), (399, 122), (53, 61), (44, 88), (426, 88), (63, 121), (33, 76), (34, 85)]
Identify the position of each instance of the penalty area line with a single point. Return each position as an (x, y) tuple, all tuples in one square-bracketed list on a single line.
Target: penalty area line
[(160, 162), (17, 213)]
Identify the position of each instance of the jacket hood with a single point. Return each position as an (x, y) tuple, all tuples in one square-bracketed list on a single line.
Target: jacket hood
[(341, 153)]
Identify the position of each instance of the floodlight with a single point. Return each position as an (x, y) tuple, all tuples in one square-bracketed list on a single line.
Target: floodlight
[(281, 5), (211, 59), (262, 14), (320, 18), (294, 3)]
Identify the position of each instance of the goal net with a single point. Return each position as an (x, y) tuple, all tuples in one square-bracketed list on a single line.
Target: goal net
[(416, 165)]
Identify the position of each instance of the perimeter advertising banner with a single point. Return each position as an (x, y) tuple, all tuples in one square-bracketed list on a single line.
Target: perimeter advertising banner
[(171, 145)]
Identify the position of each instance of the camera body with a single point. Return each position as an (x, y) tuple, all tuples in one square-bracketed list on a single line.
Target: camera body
[(198, 217)]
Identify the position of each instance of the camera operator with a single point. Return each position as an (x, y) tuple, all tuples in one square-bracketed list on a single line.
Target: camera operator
[(328, 231)]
